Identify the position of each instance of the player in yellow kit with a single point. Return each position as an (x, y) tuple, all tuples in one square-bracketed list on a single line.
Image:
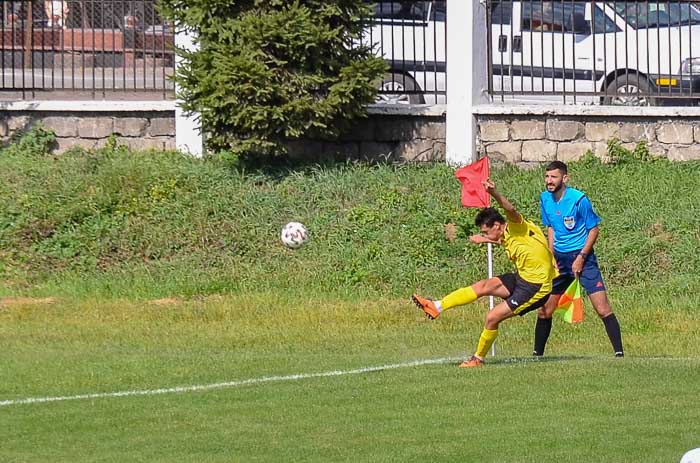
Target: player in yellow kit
[(522, 291)]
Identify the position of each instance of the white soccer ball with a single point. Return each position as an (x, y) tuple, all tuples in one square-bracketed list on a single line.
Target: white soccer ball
[(294, 235), (692, 456)]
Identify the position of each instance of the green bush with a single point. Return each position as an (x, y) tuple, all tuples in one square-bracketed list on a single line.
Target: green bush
[(268, 71), (35, 142)]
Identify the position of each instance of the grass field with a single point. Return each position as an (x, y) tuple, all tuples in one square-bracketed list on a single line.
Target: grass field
[(579, 404), (126, 276)]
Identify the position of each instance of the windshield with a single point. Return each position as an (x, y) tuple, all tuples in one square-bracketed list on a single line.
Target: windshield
[(642, 15)]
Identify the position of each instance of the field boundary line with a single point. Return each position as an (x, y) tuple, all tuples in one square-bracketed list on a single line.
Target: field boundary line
[(229, 384), (295, 377)]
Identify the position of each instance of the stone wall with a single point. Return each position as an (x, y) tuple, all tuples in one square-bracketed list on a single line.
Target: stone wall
[(388, 134), (535, 135), (393, 133), (524, 135), (141, 130)]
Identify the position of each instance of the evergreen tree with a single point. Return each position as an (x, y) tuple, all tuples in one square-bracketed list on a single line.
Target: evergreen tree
[(271, 70)]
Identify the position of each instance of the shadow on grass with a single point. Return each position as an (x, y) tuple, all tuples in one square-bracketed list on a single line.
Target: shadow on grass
[(548, 359), (277, 167)]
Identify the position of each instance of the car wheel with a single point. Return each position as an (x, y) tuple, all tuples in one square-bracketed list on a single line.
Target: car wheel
[(629, 90), (393, 88)]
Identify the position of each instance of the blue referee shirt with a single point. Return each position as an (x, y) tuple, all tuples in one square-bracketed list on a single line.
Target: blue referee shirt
[(571, 218)]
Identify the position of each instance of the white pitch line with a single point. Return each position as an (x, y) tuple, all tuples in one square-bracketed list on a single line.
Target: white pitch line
[(230, 384), (296, 377)]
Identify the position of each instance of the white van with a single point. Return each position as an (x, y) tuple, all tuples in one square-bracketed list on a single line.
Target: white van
[(410, 36), (573, 51), (619, 52)]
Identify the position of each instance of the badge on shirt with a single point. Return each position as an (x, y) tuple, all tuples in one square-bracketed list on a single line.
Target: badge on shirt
[(569, 223)]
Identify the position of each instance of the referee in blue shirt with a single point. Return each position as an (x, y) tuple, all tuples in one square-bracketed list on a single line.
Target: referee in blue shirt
[(572, 230)]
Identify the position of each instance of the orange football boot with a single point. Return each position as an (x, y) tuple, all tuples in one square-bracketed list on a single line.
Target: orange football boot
[(473, 361), (427, 306)]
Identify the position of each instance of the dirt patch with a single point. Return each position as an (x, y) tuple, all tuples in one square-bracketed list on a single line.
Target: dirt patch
[(166, 301), (18, 301), (451, 232), (658, 232)]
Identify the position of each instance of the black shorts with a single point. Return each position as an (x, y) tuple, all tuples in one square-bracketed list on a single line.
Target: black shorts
[(524, 296)]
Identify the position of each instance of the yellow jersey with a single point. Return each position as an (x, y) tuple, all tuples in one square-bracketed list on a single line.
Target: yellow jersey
[(528, 249)]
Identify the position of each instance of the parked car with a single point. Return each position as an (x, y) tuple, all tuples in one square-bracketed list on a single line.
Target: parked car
[(634, 53), (410, 36)]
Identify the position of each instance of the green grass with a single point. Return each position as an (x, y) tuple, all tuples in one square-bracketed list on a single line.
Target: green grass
[(147, 225), (577, 405), (106, 234), (426, 414)]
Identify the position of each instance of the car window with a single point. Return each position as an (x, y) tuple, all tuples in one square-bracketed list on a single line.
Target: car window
[(415, 11), (603, 23), (643, 15), (439, 11), (563, 17), (501, 12), (554, 17)]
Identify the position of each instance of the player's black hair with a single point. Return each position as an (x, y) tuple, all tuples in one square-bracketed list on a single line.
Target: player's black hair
[(488, 217), (557, 165)]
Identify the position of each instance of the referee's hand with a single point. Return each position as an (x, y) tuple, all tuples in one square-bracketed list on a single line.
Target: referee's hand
[(577, 266)]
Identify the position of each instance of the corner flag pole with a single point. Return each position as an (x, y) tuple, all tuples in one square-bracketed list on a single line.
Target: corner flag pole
[(474, 194), (490, 254)]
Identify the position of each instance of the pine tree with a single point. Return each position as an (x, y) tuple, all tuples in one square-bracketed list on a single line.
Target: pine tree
[(267, 71)]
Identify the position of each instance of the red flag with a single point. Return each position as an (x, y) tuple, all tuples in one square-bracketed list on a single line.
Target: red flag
[(471, 176)]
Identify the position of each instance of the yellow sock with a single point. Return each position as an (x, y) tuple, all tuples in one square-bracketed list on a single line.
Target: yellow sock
[(485, 342), (460, 297)]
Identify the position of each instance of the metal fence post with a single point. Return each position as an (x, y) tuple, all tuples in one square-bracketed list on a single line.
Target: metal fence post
[(29, 38)]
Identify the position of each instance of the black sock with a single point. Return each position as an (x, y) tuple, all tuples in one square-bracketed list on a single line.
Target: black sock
[(612, 326), (542, 330)]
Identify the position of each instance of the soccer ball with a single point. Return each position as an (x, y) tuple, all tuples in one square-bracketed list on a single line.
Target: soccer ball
[(294, 235), (692, 456)]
